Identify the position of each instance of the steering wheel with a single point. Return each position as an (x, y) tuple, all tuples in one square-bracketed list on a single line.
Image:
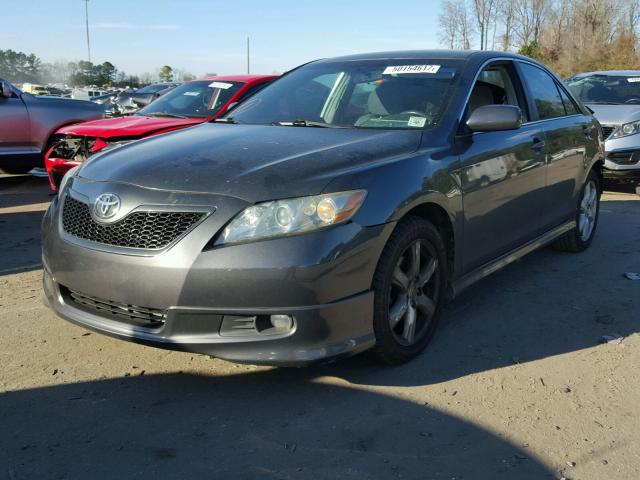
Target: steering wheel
[(632, 100)]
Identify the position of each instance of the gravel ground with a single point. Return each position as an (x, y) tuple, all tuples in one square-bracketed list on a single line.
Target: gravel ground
[(515, 384)]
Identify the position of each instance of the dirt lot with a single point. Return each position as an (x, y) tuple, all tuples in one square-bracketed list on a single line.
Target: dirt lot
[(515, 384)]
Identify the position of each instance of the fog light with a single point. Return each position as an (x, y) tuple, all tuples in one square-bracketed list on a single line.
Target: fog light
[(282, 323)]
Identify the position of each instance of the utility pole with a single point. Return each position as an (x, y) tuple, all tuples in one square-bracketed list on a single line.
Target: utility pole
[(248, 56), (86, 19)]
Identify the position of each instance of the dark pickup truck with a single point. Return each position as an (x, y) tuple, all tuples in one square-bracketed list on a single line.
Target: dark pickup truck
[(28, 123)]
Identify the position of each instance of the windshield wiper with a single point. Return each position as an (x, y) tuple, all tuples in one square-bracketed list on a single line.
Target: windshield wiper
[(164, 114), (604, 103), (306, 123)]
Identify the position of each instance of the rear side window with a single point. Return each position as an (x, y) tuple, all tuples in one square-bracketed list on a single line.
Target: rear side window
[(544, 91)]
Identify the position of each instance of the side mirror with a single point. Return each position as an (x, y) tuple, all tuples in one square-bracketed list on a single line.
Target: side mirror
[(494, 118), (5, 91)]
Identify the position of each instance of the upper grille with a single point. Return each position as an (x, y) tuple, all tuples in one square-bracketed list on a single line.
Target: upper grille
[(133, 314), (607, 130), (149, 230)]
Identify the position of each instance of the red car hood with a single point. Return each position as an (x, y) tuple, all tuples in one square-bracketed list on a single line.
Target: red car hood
[(133, 126)]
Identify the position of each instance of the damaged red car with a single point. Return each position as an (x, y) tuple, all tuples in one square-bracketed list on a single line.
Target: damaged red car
[(192, 103)]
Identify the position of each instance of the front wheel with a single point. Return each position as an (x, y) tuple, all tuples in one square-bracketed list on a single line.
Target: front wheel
[(409, 287), (588, 210)]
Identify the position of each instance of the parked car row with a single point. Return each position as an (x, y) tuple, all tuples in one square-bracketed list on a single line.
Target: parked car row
[(187, 105), (334, 210)]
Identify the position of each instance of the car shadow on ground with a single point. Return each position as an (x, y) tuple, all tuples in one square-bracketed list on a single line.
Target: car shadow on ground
[(276, 424)]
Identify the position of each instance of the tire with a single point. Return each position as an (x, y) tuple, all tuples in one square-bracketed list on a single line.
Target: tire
[(579, 239), (415, 310)]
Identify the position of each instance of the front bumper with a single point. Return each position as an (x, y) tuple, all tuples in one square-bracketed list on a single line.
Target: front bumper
[(321, 279), (622, 160)]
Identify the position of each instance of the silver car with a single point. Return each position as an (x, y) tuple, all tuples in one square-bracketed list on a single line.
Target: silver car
[(614, 97)]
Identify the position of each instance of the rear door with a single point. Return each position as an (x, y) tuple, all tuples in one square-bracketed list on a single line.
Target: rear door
[(502, 173), (567, 131)]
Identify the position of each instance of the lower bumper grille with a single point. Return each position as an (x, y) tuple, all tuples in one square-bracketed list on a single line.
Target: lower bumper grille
[(132, 314), (624, 158)]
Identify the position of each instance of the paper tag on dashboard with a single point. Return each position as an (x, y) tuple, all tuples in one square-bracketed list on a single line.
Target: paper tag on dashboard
[(222, 85), (191, 94), (633, 79), (399, 69), (416, 122)]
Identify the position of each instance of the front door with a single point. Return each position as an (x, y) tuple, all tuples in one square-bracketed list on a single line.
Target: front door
[(502, 174)]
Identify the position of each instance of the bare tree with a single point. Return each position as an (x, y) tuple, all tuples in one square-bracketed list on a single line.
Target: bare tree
[(456, 24), (485, 11)]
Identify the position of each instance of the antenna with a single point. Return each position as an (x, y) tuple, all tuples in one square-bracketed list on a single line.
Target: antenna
[(248, 57), (86, 19)]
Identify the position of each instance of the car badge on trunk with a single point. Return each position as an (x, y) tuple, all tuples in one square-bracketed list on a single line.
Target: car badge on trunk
[(106, 206)]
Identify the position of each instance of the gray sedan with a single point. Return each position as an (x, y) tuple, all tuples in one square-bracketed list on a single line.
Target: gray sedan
[(334, 211)]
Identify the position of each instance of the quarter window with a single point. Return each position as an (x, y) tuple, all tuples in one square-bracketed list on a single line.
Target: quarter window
[(569, 105), (544, 91)]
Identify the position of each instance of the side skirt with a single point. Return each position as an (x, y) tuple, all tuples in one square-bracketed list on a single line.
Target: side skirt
[(488, 268)]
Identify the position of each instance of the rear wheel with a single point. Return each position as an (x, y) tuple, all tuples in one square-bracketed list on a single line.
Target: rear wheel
[(587, 213), (409, 286)]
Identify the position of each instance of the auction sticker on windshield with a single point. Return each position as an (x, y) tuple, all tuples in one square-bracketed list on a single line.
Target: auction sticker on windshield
[(633, 79), (416, 122), (222, 85), (396, 70)]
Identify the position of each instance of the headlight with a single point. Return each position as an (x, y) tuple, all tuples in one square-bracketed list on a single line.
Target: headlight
[(70, 173), (627, 129), (295, 215)]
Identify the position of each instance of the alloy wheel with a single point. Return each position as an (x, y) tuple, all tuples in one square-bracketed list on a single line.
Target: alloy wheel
[(588, 210), (414, 293)]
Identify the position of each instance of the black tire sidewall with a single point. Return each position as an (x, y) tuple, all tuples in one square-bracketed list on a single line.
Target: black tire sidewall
[(407, 231)]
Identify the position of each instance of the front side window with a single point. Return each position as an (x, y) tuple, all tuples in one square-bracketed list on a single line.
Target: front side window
[(544, 91), (387, 94), (198, 99), (496, 85), (606, 89)]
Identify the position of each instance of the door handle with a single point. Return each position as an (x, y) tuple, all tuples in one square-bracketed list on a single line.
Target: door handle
[(537, 144)]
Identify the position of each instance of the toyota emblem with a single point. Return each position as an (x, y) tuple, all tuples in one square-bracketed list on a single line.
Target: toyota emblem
[(106, 206)]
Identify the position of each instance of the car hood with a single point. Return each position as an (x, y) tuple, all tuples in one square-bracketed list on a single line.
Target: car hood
[(133, 126), (615, 114), (251, 162), (61, 102)]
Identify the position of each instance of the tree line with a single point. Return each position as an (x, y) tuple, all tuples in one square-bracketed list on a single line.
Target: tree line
[(569, 35), (19, 67)]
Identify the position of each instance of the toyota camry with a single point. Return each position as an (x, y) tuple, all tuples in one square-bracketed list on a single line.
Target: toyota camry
[(334, 211)]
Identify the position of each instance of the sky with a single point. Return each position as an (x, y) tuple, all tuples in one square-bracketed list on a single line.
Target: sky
[(209, 36)]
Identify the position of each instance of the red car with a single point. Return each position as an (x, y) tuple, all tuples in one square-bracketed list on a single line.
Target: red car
[(192, 103)]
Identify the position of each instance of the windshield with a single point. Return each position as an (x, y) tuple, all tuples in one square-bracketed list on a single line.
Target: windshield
[(389, 94), (199, 99), (607, 89)]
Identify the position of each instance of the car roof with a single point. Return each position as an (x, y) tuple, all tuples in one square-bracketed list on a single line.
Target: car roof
[(428, 54), (237, 78), (611, 73)]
